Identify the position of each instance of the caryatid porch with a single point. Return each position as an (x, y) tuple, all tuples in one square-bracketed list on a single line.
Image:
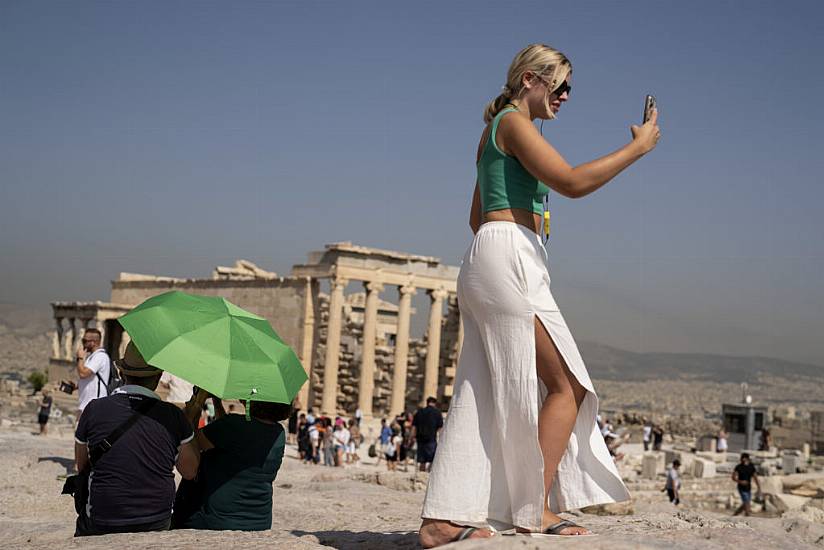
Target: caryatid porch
[(377, 269)]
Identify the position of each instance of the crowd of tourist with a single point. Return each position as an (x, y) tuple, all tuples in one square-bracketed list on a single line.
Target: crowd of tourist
[(336, 441)]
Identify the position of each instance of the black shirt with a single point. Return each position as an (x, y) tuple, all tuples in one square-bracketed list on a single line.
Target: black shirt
[(237, 474), (427, 422), (133, 482), (745, 473), (46, 405)]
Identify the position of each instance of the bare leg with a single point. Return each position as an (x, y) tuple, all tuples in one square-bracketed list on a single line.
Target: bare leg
[(557, 415)]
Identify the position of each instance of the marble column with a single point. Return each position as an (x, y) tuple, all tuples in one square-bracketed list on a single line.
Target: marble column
[(398, 402), (366, 384), (433, 348), (329, 405), (57, 339), (308, 340), (101, 326), (71, 340)]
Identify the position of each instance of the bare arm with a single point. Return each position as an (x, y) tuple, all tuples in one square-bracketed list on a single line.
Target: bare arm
[(82, 370), (188, 459), (545, 163), (81, 456)]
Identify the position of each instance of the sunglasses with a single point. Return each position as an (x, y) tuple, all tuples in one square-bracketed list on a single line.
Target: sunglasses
[(564, 87)]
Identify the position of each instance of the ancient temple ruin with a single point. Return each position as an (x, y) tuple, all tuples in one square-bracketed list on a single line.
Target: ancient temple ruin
[(355, 348)]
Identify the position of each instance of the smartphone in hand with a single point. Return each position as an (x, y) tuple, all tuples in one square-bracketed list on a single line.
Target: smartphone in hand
[(649, 106)]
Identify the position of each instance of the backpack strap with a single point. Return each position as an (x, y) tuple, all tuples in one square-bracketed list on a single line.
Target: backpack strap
[(97, 450)]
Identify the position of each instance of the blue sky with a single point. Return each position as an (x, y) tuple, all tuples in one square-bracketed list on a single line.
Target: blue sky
[(169, 137)]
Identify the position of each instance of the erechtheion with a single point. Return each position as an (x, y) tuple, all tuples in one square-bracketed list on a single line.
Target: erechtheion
[(356, 348)]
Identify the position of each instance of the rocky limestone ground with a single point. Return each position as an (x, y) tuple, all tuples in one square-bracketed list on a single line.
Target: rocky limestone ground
[(360, 507)]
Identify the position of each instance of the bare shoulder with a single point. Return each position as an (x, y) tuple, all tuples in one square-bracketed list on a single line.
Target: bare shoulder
[(515, 130)]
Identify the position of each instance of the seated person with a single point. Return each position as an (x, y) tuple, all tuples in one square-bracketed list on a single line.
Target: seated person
[(132, 485), (240, 460)]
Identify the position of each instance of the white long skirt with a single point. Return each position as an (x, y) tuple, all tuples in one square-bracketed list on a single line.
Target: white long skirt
[(488, 469)]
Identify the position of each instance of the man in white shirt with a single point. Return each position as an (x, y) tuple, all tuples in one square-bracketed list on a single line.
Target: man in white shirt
[(647, 435), (93, 369)]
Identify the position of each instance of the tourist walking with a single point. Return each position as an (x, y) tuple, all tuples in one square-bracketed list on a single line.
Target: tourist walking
[(721, 443), (392, 449), (341, 438), (673, 484), (657, 437), (383, 440), (520, 442), (354, 442), (426, 424), (647, 434), (327, 431), (292, 424), (44, 411), (743, 475)]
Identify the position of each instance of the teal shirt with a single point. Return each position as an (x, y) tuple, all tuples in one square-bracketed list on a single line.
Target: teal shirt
[(237, 474), (502, 179)]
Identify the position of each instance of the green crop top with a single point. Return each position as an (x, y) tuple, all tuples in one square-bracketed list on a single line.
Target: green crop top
[(503, 181)]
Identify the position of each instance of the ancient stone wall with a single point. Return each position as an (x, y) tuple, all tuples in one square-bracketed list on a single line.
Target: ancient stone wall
[(351, 347), (278, 300)]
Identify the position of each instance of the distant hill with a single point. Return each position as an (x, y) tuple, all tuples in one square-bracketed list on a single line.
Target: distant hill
[(19, 323), (608, 363), (23, 320)]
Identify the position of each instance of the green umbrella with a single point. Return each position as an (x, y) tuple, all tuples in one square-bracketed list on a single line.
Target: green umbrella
[(215, 345)]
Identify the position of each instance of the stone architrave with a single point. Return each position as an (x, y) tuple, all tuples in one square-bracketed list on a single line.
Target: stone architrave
[(308, 341), (401, 350), (366, 383), (330, 369), (433, 348)]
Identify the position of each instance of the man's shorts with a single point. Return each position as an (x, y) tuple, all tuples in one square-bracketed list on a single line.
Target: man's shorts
[(426, 451), (42, 418), (746, 494)]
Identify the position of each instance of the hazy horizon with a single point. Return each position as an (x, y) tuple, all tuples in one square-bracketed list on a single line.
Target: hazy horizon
[(168, 138)]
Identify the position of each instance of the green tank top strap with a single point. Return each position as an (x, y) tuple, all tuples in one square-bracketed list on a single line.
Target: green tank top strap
[(495, 122)]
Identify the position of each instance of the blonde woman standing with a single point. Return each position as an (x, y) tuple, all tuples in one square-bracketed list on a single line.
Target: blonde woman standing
[(520, 443)]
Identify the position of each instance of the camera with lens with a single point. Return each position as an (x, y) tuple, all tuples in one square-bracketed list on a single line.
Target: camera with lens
[(67, 386)]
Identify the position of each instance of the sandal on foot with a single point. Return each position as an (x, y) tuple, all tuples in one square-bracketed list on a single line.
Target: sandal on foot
[(555, 529), (464, 533)]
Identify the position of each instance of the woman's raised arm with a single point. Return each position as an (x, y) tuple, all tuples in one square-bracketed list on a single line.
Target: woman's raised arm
[(545, 163)]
